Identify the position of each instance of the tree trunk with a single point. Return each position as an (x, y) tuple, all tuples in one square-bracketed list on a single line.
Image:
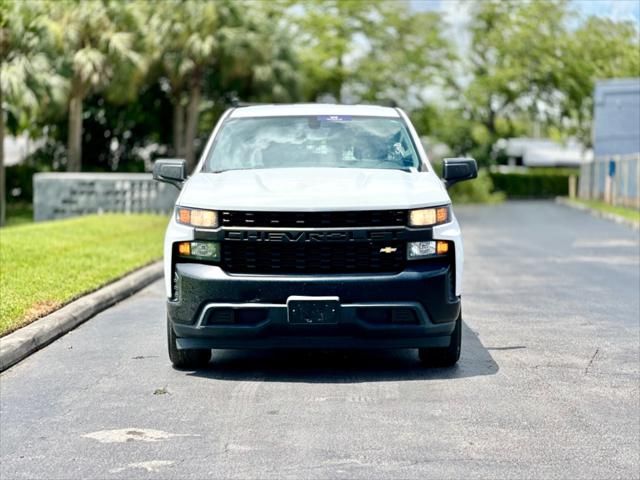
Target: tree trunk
[(490, 121), (74, 142), (3, 194), (191, 127), (178, 129)]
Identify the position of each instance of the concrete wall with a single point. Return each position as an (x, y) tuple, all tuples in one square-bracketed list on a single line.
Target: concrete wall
[(61, 195)]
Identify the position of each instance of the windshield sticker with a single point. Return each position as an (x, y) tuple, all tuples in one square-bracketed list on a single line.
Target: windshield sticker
[(334, 118)]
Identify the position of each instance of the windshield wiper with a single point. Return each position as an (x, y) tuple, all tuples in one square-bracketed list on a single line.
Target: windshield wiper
[(229, 170)]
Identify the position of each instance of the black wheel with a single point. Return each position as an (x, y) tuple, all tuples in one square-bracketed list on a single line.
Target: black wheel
[(185, 359), (444, 356)]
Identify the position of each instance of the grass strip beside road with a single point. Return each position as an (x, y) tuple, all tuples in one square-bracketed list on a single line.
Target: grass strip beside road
[(624, 212), (46, 265)]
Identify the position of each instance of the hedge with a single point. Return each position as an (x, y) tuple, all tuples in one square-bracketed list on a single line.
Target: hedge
[(533, 183), (480, 190)]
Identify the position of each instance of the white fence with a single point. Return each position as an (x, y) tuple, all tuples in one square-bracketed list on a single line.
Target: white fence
[(612, 178)]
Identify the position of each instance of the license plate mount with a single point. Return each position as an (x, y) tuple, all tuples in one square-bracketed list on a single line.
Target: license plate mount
[(313, 310)]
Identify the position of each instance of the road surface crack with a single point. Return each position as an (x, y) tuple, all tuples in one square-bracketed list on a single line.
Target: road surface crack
[(593, 357)]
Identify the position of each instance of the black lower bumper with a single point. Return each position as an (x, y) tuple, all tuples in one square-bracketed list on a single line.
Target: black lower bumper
[(412, 309)]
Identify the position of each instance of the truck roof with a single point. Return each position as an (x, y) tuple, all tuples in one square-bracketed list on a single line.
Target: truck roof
[(302, 109)]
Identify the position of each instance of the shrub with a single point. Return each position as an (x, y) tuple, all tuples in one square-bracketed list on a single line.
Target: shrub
[(19, 180), (534, 183), (480, 190)]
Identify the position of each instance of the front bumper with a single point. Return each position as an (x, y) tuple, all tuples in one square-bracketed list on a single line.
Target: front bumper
[(412, 309)]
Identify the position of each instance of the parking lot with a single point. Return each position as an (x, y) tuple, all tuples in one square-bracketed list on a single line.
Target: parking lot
[(547, 386)]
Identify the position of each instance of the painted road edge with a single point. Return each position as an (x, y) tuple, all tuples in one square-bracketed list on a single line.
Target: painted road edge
[(18, 345), (597, 213)]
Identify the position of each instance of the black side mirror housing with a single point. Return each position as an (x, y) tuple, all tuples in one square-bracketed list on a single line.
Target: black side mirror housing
[(456, 170), (170, 170)]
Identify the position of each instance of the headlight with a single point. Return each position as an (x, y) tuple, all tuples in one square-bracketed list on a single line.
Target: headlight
[(196, 217), (427, 217), (199, 250), (431, 248)]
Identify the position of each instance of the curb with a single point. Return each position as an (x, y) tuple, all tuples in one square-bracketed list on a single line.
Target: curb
[(597, 213), (23, 342)]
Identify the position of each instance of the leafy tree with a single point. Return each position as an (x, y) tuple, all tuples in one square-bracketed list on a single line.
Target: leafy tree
[(328, 35), (95, 51), (125, 137), (513, 60), (600, 48), (406, 54), (26, 75), (529, 66), (260, 65), (186, 38), (216, 51), (370, 51)]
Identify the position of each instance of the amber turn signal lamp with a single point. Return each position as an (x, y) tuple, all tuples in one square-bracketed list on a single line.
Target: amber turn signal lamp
[(442, 247), (442, 215), (184, 216), (184, 248)]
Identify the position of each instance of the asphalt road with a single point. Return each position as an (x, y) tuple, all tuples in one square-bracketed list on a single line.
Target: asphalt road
[(548, 385)]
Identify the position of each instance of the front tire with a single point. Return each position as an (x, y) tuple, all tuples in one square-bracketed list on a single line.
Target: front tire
[(189, 359), (444, 356)]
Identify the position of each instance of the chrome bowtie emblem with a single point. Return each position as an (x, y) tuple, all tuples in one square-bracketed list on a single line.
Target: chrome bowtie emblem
[(388, 250)]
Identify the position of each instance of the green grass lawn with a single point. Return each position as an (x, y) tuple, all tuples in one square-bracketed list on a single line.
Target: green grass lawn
[(628, 213), (45, 265)]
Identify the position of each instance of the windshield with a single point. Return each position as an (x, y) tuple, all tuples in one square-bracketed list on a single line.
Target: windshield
[(312, 141)]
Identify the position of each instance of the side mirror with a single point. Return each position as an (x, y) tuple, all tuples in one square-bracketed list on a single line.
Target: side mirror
[(170, 170), (456, 170)]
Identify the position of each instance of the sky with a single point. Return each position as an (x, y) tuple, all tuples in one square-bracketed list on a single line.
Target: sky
[(456, 14), (615, 9)]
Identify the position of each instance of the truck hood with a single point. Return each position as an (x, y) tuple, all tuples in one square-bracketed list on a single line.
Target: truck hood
[(313, 189)]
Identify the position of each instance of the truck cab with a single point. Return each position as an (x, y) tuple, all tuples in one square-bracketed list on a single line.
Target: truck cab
[(313, 226)]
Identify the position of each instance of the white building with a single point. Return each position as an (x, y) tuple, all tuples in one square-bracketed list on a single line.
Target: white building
[(543, 152)]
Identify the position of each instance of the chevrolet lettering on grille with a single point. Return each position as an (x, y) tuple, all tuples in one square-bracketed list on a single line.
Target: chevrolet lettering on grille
[(305, 236)]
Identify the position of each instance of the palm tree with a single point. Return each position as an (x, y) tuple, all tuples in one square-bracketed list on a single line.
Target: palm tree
[(95, 42), (26, 77), (185, 38), (260, 63), (208, 49)]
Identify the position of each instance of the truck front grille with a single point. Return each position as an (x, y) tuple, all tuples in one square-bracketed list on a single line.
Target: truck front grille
[(313, 258), (340, 242)]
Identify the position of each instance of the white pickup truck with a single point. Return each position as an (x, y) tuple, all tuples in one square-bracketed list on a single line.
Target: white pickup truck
[(313, 226)]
